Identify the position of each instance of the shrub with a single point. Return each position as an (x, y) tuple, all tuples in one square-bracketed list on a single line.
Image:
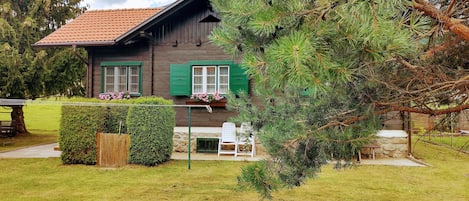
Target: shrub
[(77, 136), (115, 117), (79, 125), (151, 131)]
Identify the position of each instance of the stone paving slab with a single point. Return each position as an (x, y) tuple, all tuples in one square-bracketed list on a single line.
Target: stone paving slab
[(214, 157)]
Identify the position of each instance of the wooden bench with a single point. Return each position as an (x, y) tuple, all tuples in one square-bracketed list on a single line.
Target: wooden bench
[(370, 149), (7, 131), (7, 128)]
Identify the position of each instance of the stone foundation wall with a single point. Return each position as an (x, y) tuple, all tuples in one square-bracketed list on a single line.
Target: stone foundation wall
[(392, 144), (391, 147), (181, 138)]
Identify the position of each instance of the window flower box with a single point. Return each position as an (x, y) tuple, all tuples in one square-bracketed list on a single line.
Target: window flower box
[(214, 100), (220, 103)]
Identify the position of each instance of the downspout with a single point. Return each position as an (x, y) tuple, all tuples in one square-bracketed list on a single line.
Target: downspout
[(90, 73), (151, 56), (152, 59)]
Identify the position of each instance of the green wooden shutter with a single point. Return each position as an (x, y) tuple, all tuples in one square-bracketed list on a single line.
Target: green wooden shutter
[(180, 80), (239, 80)]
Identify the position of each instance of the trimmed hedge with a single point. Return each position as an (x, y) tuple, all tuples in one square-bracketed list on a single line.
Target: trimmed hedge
[(77, 137), (115, 118), (151, 131)]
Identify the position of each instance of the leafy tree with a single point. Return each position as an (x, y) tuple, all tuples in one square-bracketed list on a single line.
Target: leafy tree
[(27, 72), (325, 72)]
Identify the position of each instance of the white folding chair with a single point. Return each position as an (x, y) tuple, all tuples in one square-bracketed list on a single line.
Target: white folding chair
[(246, 140), (228, 139)]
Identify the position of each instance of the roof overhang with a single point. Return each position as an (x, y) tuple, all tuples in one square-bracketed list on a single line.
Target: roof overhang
[(158, 17), (76, 44), (132, 33)]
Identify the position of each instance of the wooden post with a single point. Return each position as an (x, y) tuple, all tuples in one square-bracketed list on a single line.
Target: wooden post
[(112, 149)]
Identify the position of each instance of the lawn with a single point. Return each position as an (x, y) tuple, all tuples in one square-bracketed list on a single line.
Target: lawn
[(457, 142), (48, 179), (42, 121), (37, 115)]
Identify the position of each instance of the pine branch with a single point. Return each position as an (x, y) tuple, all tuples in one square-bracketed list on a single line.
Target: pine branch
[(393, 107), (454, 25)]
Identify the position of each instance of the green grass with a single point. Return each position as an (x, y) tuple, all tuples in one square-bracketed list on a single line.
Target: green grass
[(458, 142), (48, 179), (37, 137), (37, 116), (42, 121)]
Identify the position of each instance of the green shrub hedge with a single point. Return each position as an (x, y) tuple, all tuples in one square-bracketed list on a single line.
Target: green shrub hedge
[(77, 136), (115, 118), (151, 131)]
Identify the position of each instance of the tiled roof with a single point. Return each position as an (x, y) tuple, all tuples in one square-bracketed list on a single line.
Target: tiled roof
[(98, 27)]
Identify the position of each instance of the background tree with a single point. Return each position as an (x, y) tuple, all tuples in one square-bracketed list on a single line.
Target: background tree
[(326, 71), (29, 73)]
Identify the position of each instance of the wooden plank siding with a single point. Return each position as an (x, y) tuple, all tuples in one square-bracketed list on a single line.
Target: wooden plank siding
[(186, 30), (166, 55), (193, 44), (135, 52)]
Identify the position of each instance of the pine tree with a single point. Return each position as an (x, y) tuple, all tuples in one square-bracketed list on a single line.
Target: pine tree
[(322, 69)]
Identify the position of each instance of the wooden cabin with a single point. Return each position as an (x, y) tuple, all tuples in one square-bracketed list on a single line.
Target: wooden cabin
[(161, 52)]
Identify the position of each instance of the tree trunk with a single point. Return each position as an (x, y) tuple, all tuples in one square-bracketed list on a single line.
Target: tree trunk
[(17, 116)]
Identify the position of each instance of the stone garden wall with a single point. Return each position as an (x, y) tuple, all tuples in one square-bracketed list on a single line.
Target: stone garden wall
[(391, 144)]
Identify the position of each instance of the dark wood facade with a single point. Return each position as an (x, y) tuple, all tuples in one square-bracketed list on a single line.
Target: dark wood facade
[(176, 38)]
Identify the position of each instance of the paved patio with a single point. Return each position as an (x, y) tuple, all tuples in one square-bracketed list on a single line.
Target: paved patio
[(47, 151)]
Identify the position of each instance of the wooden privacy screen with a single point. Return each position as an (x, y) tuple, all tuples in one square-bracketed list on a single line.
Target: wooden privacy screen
[(112, 149)]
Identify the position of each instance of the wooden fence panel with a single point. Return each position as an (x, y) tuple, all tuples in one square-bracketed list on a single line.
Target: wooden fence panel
[(112, 149)]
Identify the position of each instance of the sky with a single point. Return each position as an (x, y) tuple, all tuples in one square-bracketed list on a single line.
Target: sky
[(120, 4)]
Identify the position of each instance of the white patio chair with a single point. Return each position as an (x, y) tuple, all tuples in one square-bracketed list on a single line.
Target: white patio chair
[(228, 138), (246, 140)]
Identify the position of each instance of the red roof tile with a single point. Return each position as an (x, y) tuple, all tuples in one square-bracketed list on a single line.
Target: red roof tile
[(98, 27)]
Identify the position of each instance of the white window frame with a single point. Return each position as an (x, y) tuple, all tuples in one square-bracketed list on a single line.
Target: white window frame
[(218, 82), (117, 74)]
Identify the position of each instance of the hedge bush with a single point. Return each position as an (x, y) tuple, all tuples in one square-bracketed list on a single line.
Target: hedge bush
[(77, 135), (151, 131), (115, 117)]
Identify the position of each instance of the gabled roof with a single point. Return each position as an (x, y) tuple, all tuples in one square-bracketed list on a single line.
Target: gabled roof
[(98, 27)]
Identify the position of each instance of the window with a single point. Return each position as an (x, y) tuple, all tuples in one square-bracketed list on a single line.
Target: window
[(197, 77), (210, 79), (121, 77)]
